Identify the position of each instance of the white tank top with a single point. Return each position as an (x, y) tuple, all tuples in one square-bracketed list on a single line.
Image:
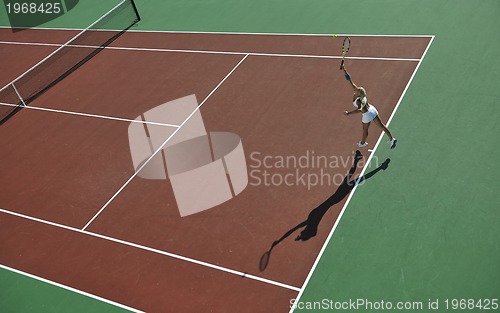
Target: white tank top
[(364, 101)]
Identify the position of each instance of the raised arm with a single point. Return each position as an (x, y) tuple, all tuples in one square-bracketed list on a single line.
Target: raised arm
[(348, 78)]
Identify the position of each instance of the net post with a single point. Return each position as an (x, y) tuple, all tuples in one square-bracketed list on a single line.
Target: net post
[(18, 95), (136, 11)]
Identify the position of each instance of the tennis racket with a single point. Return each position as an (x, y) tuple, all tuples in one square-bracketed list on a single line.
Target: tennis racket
[(345, 48)]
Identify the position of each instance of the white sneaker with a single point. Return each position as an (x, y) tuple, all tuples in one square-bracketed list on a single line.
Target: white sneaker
[(362, 144), (393, 143)]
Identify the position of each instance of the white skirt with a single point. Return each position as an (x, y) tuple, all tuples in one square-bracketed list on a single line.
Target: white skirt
[(369, 115)]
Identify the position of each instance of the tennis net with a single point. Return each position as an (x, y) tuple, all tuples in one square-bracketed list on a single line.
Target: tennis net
[(67, 58)]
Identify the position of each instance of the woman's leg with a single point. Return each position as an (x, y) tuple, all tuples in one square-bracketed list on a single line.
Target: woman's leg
[(365, 132), (384, 128)]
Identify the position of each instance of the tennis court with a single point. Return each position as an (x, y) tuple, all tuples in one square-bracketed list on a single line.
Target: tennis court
[(77, 212)]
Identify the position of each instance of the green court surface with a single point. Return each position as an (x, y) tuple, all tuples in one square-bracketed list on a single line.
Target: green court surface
[(426, 229), (22, 294)]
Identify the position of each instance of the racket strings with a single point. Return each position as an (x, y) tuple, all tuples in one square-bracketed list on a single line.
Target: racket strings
[(346, 44)]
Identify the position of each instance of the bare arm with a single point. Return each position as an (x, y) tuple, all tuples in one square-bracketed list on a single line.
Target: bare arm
[(355, 88), (348, 77), (352, 112)]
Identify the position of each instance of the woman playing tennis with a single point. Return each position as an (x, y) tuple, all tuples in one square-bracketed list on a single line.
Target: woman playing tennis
[(369, 113)]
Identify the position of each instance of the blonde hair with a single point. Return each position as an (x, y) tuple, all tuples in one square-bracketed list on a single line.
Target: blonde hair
[(362, 96), (362, 92)]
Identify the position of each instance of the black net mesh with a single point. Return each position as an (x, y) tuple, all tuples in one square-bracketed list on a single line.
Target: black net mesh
[(67, 58)]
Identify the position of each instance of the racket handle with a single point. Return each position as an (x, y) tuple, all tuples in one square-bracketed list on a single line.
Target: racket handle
[(342, 64)]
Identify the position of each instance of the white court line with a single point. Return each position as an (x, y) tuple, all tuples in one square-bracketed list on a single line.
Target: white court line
[(90, 115), (188, 51), (9, 104), (162, 145), (50, 282), (330, 235), (172, 255), (213, 52), (231, 33)]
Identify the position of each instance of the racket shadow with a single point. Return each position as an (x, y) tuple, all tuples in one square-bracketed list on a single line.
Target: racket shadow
[(311, 224)]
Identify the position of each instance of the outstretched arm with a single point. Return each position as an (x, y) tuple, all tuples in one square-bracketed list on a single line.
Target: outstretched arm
[(348, 77), (352, 112)]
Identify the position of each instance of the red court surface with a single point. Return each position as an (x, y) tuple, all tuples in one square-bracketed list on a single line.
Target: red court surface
[(74, 212)]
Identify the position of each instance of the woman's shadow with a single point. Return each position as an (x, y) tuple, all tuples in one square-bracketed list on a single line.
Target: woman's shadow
[(314, 218)]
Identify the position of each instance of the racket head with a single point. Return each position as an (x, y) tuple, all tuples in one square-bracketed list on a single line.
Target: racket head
[(346, 45), (264, 260)]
